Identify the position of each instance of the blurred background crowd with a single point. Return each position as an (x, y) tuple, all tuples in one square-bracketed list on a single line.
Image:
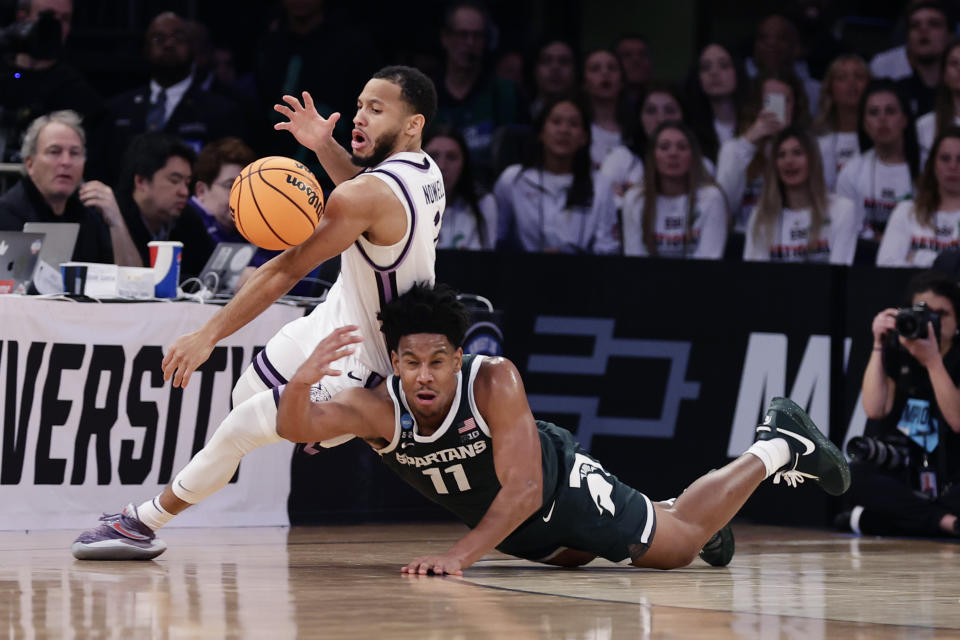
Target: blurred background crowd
[(798, 130)]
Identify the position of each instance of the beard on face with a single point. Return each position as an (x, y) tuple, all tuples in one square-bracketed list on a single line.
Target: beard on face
[(167, 73), (381, 149)]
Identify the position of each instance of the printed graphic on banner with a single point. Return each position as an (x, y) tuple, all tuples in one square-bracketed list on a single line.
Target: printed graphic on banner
[(764, 377), (89, 423), (605, 346)]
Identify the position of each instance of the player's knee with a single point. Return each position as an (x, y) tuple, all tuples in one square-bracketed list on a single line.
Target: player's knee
[(247, 386), (679, 555), (675, 544), (251, 423)]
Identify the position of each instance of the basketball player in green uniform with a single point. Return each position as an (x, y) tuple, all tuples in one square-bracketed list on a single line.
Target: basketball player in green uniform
[(458, 428)]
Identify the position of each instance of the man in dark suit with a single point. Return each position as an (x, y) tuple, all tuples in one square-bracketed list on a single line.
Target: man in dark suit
[(173, 102)]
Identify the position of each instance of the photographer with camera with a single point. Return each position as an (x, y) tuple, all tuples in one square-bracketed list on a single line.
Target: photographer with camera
[(35, 81), (905, 475)]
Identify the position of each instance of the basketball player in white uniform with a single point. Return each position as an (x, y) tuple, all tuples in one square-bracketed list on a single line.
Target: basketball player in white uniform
[(384, 223)]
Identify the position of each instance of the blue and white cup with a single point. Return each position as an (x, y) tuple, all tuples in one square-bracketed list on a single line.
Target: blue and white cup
[(74, 277), (165, 257)]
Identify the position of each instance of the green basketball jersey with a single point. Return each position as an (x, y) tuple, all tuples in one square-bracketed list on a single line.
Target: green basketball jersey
[(584, 507), (454, 465)]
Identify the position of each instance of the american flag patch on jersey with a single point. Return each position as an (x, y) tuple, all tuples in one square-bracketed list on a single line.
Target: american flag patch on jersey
[(468, 425)]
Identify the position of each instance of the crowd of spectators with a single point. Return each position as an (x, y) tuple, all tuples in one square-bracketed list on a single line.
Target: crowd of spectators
[(793, 148)]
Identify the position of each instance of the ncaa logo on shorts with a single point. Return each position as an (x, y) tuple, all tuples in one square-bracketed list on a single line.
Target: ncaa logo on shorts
[(406, 421)]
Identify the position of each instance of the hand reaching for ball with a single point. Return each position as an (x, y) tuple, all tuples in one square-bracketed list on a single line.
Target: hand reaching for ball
[(309, 128)]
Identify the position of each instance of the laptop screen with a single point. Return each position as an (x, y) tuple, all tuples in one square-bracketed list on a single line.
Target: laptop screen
[(19, 253)]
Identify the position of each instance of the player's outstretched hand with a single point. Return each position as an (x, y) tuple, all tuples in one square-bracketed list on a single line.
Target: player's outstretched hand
[(332, 348), (307, 126), (436, 565), (188, 352)]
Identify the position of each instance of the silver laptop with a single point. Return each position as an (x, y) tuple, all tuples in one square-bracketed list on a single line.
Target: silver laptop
[(61, 237), (59, 243), (19, 253), (225, 266)]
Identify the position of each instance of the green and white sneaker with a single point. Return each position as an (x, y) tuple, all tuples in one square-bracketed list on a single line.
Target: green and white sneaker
[(814, 456), (718, 552)]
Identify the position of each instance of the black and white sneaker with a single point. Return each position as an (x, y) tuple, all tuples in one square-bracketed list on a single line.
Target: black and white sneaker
[(718, 552), (814, 456)]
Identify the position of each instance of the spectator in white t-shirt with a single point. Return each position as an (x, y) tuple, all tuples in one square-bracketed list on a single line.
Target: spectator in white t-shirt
[(796, 219), (920, 229), (837, 125), (551, 203), (469, 220), (946, 106), (742, 161), (603, 87), (892, 63), (715, 91), (623, 166), (884, 172), (678, 211)]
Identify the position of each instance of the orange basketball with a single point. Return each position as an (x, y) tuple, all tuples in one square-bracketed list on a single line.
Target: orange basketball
[(276, 202)]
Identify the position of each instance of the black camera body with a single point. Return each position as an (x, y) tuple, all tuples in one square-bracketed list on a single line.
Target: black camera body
[(912, 321), (41, 39)]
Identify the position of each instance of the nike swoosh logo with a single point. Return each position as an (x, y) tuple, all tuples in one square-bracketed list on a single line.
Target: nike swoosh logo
[(133, 535), (353, 377), (549, 515), (806, 442)]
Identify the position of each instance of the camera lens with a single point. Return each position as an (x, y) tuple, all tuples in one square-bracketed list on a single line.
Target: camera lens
[(859, 448), (906, 325)]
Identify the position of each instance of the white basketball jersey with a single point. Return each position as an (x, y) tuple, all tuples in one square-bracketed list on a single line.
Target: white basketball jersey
[(372, 275)]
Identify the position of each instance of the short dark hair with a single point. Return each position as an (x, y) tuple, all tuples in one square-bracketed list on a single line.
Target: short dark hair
[(473, 5), (938, 283), (935, 5), (424, 309), (147, 154), (218, 153), (416, 89)]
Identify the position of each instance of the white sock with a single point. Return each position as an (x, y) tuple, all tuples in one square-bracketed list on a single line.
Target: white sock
[(855, 514), (153, 515), (773, 453)]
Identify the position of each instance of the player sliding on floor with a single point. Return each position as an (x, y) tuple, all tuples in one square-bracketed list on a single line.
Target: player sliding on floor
[(459, 429), (383, 222)]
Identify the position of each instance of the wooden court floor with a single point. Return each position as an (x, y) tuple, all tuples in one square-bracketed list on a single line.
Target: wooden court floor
[(345, 582)]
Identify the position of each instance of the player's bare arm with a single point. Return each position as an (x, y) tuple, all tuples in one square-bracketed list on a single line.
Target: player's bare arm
[(354, 208), (316, 133), (355, 411), (502, 401)]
